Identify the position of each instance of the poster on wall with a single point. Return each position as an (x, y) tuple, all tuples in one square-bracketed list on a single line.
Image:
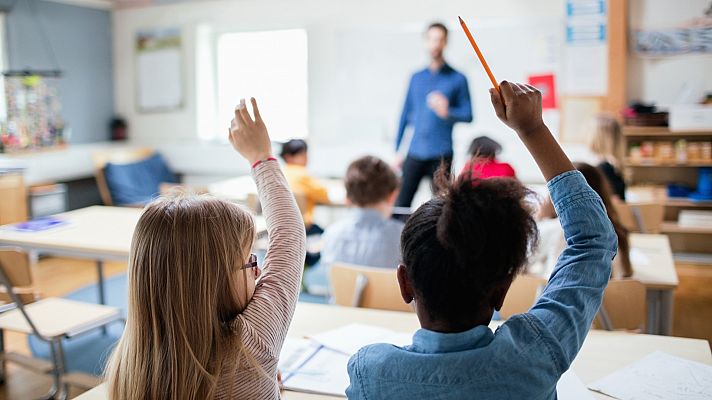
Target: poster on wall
[(585, 67), (159, 70), (673, 41), (545, 84)]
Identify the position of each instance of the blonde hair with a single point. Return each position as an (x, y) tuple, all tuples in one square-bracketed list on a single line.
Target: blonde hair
[(184, 294), (607, 140)]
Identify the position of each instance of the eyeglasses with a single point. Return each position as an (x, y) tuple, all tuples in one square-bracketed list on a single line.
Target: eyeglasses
[(252, 263)]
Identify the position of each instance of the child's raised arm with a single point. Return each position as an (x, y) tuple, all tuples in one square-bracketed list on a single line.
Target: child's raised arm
[(570, 301), (271, 308), (519, 107)]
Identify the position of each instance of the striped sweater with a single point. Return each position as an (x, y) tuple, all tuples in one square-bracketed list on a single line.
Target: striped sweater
[(264, 322)]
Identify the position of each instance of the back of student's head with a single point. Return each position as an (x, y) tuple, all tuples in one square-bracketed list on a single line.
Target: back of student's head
[(484, 147), (185, 286), (599, 183), (369, 181), (471, 238), (293, 147), (607, 140)]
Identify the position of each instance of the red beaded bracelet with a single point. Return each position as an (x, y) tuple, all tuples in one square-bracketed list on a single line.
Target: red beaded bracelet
[(258, 162)]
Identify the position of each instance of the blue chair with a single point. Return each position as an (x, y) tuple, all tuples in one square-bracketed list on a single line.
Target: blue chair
[(130, 177)]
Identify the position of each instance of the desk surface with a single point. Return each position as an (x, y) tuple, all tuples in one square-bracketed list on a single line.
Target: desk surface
[(652, 261), (95, 232), (237, 189), (602, 353)]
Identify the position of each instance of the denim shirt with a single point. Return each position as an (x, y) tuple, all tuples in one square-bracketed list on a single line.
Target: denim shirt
[(526, 355)]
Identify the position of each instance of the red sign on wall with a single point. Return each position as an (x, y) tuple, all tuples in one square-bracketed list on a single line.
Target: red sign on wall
[(545, 83)]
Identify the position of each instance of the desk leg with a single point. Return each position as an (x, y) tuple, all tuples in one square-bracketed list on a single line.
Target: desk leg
[(100, 281), (666, 311), (653, 303), (100, 286)]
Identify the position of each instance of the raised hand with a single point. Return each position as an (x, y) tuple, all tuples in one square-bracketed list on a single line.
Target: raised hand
[(249, 136), (518, 106)]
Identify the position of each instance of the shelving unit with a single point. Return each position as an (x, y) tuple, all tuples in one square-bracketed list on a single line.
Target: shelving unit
[(693, 242)]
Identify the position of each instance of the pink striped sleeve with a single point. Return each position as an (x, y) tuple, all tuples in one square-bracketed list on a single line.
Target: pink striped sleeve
[(270, 311)]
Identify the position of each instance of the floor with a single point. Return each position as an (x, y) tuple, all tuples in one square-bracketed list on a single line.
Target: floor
[(54, 277)]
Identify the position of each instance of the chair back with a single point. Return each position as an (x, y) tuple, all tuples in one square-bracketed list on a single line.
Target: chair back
[(641, 217), (368, 287), (16, 268), (115, 156), (521, 295), (624, 306)]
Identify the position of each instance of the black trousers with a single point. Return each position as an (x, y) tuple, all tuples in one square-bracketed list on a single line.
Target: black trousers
[(414, 170)]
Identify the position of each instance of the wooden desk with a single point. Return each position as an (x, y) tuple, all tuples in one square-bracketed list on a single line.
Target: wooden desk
[(238, 189), (653, 265), (97, 233), (602, 353)]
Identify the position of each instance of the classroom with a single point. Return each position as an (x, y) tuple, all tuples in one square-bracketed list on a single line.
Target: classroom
[(319, 199)]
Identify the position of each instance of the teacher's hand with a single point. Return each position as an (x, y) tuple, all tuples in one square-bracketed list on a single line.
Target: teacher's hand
[(439, 104)]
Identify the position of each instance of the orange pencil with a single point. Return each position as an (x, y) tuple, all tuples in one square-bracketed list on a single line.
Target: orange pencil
[(479, 53)]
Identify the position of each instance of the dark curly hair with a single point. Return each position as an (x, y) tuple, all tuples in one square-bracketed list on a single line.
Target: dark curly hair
[(474, 235)]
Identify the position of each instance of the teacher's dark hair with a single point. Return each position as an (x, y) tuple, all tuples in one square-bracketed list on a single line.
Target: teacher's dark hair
[(471, 237), (438, 25)]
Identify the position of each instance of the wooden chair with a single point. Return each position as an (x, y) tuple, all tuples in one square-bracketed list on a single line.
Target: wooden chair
[(368, 287), (50, 320), (522, 294), (624, 306), (115, 156), (641, 217)]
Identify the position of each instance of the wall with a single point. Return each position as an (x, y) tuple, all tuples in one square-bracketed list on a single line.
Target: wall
[(81, 39), (361, 55), (661, 80)]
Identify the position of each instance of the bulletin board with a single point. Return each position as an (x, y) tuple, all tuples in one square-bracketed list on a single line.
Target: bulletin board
[(159, 70)]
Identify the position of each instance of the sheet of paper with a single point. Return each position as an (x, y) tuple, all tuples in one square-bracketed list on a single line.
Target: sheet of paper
[(322, 372), (658, 376), (570, 387), (350, 338), (295, 352)]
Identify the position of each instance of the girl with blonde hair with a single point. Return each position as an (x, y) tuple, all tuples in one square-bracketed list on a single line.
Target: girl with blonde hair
[(607, 144), (200, 325)]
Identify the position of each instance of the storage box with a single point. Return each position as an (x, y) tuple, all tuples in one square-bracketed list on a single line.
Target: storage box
[(691, 118)]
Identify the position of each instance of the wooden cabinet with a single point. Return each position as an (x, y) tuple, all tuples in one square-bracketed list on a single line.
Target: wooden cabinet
[(13, 198)]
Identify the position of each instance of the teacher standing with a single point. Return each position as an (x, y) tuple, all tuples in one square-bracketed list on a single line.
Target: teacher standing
[(437, 98)]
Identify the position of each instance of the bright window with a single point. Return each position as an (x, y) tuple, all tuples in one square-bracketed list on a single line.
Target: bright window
[(270, 66)]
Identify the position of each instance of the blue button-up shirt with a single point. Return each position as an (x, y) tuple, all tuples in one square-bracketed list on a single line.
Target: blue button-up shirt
[(527, 354), (432, 135)]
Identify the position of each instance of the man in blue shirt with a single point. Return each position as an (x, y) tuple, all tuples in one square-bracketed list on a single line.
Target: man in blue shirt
[(437, 98)]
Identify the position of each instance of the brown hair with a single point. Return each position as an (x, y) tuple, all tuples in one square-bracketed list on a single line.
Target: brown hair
[(186, 287), (369, 180), (598, 183), (474, 235)]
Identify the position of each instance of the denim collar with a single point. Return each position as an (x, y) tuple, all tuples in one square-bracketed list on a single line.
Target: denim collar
[(430, 342)]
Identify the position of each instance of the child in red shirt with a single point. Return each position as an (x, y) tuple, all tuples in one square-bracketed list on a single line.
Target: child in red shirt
[(483, 163)]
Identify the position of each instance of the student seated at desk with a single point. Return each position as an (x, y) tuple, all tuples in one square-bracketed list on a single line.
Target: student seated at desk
[(461, 252), (294, 153), (552, 241), (368, 236), (199, 326), (607, 144), (483, 163)]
